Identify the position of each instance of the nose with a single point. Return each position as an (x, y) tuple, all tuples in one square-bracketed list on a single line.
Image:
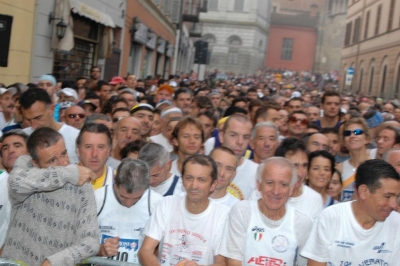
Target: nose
[(34, 124), (128, 134), (239, 140), (94, 152), (64, 161), (393, 203), (275, 189)]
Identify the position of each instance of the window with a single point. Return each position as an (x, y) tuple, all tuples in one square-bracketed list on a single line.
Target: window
[(391, 11), (397, 88), (234, 41), (371, 80), (238, 6), (366, 25), (378, 19), (348, 34), (356, 33), (287, 49), (233, 57), (383, 79), (213, 5), (361, 78)]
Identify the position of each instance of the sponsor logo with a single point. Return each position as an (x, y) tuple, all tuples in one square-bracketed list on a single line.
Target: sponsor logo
[(265, 260), (258, 236), (380, 249), (280, 243), (257, 229), (129, 244), (235, 191), (197, 253), (344, 244), (106, 227)]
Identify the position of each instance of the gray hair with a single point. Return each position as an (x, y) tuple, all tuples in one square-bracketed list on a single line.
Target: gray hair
[(94, 117), (279, 161), (133, 175), (264, 124), (15, 132), (386, 155), (154, 154)]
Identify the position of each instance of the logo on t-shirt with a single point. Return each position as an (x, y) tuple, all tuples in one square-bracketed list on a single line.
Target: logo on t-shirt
[(235, 191), (129, 244), (280, 243), (380, 249), (257, 236)]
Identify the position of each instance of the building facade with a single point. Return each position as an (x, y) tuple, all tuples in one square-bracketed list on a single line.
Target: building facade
[(372, 47), (236, 32), (18, 59)]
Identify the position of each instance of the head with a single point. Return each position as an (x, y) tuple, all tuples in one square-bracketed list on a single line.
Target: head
[(334, 140), (95, 73), (74, 116), (145, 114), (13, 145), (157, 157), (252, 94), (182, 99), (93, 146), (47, 83), (378, 187), (130, 96), (127, 130), (356, 134), (276, 178), (209, 122), (316, 142), (388, 138), (165, 92), (36, 108), (131, 150), (188, 136), (103, 90), (330, 103), (199, 177), (267, 113), (7, 102), (131, 81), (200, 104), (313, 113), (236, 134), (295, 151), (264, 140), (294, 104), (216, 100), (94, 99), (227, 162), (321, 165), (335, 185), (393, 158), (388, 108), (47, 148), (131, 181), (297, 124)]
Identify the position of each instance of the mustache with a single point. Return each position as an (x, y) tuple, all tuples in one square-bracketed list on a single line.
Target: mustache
[(11, 106)]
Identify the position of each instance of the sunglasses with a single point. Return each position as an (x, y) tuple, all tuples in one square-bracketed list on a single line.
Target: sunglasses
[(356, 132), (294, 120), (116, 119), (81, 116)]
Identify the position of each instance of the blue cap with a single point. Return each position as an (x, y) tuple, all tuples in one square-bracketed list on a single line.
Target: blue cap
[(49, 78)]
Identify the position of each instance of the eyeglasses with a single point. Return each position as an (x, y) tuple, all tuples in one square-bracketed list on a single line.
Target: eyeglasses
[(356, 132), (294, 120), (81, 116)]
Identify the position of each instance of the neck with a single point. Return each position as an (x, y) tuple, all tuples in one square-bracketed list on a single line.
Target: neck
[(361, 216), (297, 192), (7, 115), (320, 190), (274, 215), (327, 121), (257, 159), (241, 161), (196, 207), (116, 153), (181, 158), (100, 172), (219, 193), (358, 156), (56, 126)]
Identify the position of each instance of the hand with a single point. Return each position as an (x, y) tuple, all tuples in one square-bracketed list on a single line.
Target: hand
[(110, 247), (186, 262), (46, 263), (85, 175)]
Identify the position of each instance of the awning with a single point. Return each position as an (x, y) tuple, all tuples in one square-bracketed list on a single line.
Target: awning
[(91, 13)]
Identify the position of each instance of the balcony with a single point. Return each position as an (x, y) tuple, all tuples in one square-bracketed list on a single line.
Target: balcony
[(192, 9), (196, 30)]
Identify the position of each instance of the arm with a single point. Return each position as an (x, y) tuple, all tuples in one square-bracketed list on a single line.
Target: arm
[(86, 234), (315, 263), (233, 262), (25, 179), (146, 252), (219, 261)]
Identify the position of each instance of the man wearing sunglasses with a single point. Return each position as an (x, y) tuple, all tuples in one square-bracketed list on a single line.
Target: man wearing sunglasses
[(297, 125), (74, 116)]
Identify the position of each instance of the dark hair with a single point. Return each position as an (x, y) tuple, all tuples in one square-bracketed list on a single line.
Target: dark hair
[(370, 172), (291, 145), (93, 67), (323, 154), (298, 112), (295, 99), (203, 102), (329, 130), (13, 132), (254, 103), (329, 94), (160, 82), (235, 110), (42, 138), (94, 128), (81, 77), (224, 149), (182, 90), (121, 109), (119, 100), (132, 147), (31, 96), (263, 110), (203, 160), (313, 125), (306, 137), (251, 90), (238, 117), (93, 95), (101, 83), (187, 120), (210, 115), (107, 106), (238, 99)]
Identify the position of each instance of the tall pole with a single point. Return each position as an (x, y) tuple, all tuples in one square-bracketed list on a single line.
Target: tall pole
[(178, 36)]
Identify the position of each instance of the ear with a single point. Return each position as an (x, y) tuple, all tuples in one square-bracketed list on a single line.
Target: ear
[(291, 190), (168, 165), (52, 107), (363, 192), (221, 137), (252, 144), (395, 146), (34, 163), (258, 186), (213, 186), (175, 142)]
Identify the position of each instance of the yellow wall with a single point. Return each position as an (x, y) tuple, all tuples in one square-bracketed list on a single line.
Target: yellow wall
[(19, 56)]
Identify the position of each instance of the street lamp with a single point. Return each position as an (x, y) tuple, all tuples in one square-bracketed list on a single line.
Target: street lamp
[(61, 26)]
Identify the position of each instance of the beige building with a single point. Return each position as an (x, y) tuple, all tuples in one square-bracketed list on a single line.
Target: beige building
[(372, 47), (19, 56)]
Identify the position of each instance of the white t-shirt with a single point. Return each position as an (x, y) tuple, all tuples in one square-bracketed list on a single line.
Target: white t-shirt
[(209, 145), (182, 234), (174, 168), (310, 202), (234, 237), (69, 135), (227, 200), (245, 180), (164, 187), (163, 141), (337, 238), (5, 207), (4, 123)]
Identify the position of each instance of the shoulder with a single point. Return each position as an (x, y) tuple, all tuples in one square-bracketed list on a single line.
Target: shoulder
[(99, 193), (155, 197), (339, 167), (250, 165), (335, 212), (243, 207), (3, 175), (221, 209), (302, 218), (67, 129), (311, 193), (393, 220), (28, 130)]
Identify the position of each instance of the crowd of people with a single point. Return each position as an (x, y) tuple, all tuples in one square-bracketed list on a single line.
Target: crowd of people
[(276, 168)]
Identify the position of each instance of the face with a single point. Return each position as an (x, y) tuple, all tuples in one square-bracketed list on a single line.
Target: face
[(283, 119), (130, 98), (313, 113), (394, 160), (236, 137), (198, 182), (385, 140), (384, 199), (320, 173), (226, 164), (194, 109), (183, 102), (265, 142), (297, 125), (146, 121), (189, 140), (128, 129), (11, 148), (307, 98), (38, 115), (95, 73), (208, 126), (163, 94), (275, 186), (318, 142), (118, 116), (241, 105), (80, 83), (127, 199), (388, 108), (94, 151), (158, 174), (104, 92), (331, 106), (354, 142), (252, 95), (294, 106), (7, 103), (108, 124), (334, 143), (75, 116), (97, 103), (215, 98), (157, 124), (397, 114), (300, 161), (335, 186), (55, 155), (47, 86)]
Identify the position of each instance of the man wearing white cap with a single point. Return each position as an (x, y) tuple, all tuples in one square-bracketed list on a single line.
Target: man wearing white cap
[(7, 105), (67, 94), (48, 83), (144, 112)]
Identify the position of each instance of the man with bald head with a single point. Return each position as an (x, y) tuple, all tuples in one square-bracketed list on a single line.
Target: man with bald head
[(75, 116), (316, 142), (393, 157), (127, 130)]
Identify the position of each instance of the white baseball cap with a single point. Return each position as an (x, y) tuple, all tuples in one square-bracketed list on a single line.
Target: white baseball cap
[(68, 92)]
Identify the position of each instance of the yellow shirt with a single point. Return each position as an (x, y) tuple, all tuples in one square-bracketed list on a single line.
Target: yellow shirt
[(99, 182)]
